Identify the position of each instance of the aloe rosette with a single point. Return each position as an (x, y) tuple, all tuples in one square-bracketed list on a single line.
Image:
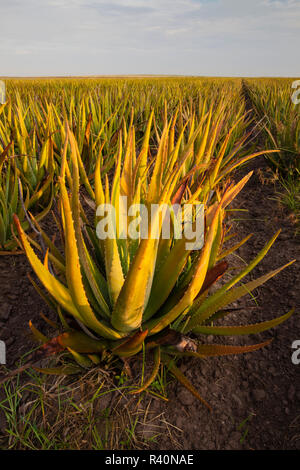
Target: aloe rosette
[(149, 292)]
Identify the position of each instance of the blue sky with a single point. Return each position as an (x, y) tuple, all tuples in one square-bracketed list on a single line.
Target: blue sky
[(185, 37)]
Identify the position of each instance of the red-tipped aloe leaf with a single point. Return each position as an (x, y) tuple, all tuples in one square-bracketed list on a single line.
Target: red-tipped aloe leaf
[(225, 350)]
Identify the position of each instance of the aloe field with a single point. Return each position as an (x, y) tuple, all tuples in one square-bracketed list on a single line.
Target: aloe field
[(115, 336)]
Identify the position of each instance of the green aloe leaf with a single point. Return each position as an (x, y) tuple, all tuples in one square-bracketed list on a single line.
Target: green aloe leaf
[(207, 309), (244, 329)]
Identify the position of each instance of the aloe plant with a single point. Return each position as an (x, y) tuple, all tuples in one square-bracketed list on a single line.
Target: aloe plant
[(12, 193), (126, 293), (26, 174)]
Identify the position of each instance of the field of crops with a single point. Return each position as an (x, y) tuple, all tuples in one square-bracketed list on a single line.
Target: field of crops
[(139, 307)]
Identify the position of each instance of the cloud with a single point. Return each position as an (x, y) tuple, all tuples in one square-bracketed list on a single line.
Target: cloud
[(118, 9), (222, 37)]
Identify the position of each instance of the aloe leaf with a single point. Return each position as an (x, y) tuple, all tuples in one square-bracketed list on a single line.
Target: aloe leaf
[(60, 293), (220, 299), (228, 252), (74, 276), (81, 343), (209, 350), (198, 277), (94, 277), (202, 310), (183, 380), (37, 334), (132, 345), (244, 329)]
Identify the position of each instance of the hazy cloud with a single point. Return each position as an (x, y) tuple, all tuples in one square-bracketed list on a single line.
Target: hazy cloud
[(206, 37)]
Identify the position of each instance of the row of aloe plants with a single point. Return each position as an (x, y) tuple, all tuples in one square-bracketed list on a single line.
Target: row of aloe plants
[(280, 118), (32, 134)]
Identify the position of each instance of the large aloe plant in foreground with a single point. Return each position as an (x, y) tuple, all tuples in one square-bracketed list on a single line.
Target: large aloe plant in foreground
[(118, 295)]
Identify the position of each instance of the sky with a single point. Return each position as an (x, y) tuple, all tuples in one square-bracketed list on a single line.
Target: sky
[(164, 37)]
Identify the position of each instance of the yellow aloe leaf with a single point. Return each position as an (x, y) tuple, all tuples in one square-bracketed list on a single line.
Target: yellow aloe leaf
[(93, 275), (47, 241), (56, 262), (142, 159), (99, 195), (38, 194), (233, 192), (81, 343), (46, 152), (200, 154), (240, 162), (199, 274), (217, 241), (213, 139), (99, 192), (64, 154), (155, 183), (172, 132), (127, 172), (166, 277), (132, 345), (220, 157), (173, 157), (113, 267), (82, 171), (74, 277), (83, 361), (60, 293), (118, 192), (129, 248), (210, 213), (134, 295), (46, 259), (234, 247)]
